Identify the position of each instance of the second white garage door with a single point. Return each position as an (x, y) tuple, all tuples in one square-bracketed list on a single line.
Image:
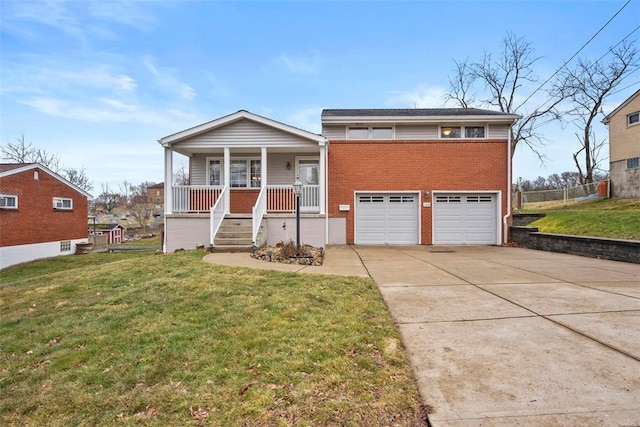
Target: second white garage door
[(387, 219), (460, 219)]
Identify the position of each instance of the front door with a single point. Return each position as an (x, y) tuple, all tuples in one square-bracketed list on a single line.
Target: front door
[(309, 174)]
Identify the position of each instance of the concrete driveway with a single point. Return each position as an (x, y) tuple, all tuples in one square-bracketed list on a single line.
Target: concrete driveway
[(508, 336)]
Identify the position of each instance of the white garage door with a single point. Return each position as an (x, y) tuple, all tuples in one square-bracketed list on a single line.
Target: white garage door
[(464, 219), (387, 219)]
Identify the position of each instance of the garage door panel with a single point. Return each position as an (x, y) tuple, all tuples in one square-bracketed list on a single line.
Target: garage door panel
[(465, 219), (387, 219)]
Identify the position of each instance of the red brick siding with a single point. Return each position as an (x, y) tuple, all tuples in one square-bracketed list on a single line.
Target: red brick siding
[(413, 165), (35, 220), (242, 201)]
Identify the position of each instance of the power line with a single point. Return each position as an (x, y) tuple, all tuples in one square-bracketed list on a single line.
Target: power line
[(579, 50), (626, 87), (616, 45)]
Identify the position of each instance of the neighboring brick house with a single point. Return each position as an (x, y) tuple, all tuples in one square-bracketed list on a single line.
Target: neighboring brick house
[(375, 176), (41, 214), (624, 148), (155, 194)]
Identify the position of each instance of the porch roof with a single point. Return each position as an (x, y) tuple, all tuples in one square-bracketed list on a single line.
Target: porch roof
[(221, 122)]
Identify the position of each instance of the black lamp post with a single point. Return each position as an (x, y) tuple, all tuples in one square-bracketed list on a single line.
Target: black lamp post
[(297, 189)]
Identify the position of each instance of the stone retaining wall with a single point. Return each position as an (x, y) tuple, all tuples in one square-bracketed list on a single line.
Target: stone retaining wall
[(595, 247)]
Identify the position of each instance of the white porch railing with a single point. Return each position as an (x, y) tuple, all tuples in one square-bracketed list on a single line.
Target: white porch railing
[(281, 198), (217, 213), (259, 209), (277, 198), (195, 198)]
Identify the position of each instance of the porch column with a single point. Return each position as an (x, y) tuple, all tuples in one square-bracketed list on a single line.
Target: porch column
[(168, 180), (323, 178), (227, 179), (263, 167)]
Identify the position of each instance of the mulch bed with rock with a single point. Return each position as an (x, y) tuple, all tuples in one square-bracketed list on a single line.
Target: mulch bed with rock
[(286, 253)]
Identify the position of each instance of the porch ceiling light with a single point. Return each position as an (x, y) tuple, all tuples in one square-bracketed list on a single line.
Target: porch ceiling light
[(297, 186)]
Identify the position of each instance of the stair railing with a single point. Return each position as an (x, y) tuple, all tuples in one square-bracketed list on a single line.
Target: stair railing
[(216, 215), (258, 211)]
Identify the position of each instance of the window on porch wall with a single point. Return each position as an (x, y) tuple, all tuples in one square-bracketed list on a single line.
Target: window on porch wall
[(242, 173)]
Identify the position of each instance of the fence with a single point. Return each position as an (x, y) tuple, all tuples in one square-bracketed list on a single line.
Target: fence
[(564, 195)]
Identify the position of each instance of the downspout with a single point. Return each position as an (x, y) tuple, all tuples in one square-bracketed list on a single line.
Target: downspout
[(505, 219), (326, 192)]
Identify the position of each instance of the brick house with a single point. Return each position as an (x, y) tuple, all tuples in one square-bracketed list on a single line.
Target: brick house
[(624, 148), (374, 176), (41, 214), (155, 194)]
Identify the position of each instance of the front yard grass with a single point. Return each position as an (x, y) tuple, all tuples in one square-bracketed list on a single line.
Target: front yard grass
[(121, 339), (612, 218)]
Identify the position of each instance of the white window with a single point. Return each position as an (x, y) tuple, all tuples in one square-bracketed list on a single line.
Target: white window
[(450, 132), (215, 171), (474, 131), (370, 132), (382, 133), (634, 118), (243, 173), (467, 132), (358, 133), (8, 201), (61, 203)]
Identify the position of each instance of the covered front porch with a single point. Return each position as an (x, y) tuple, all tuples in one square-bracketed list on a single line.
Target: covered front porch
[(243, 166)]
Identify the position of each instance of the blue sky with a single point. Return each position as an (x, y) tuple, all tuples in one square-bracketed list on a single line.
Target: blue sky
[(99, 82)]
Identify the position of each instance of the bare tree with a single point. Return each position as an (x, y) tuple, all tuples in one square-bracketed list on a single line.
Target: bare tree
[(139, 205), (108, 199), (22, 151), (181, 176), (587, 87), (503, 78), (78, 177)]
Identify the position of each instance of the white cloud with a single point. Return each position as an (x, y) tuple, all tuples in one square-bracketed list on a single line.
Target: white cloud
[(44, 76), (307, 118), (106, 110), (300, 64), (421, 97), (78, 19), (165, 78)]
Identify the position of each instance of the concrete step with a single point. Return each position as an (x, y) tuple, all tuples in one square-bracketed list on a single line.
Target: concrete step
[(241, 234), (232, 248)]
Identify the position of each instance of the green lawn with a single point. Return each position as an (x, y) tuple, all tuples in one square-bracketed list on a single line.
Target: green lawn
[(136, 338), (614, 218)]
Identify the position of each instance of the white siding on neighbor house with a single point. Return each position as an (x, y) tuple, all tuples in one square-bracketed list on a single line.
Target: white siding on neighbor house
[(277, 172), (416, 132), (245, 133), (12, 255), (338, 132), (498, 131)]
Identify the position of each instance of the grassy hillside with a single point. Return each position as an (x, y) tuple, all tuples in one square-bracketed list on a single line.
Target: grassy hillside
[(135, 338), (614, 218)]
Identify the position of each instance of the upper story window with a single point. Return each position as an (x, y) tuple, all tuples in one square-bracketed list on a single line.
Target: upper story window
[(634, 118), (370, 132), (8, 201), (62, 203), (469, 132)]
